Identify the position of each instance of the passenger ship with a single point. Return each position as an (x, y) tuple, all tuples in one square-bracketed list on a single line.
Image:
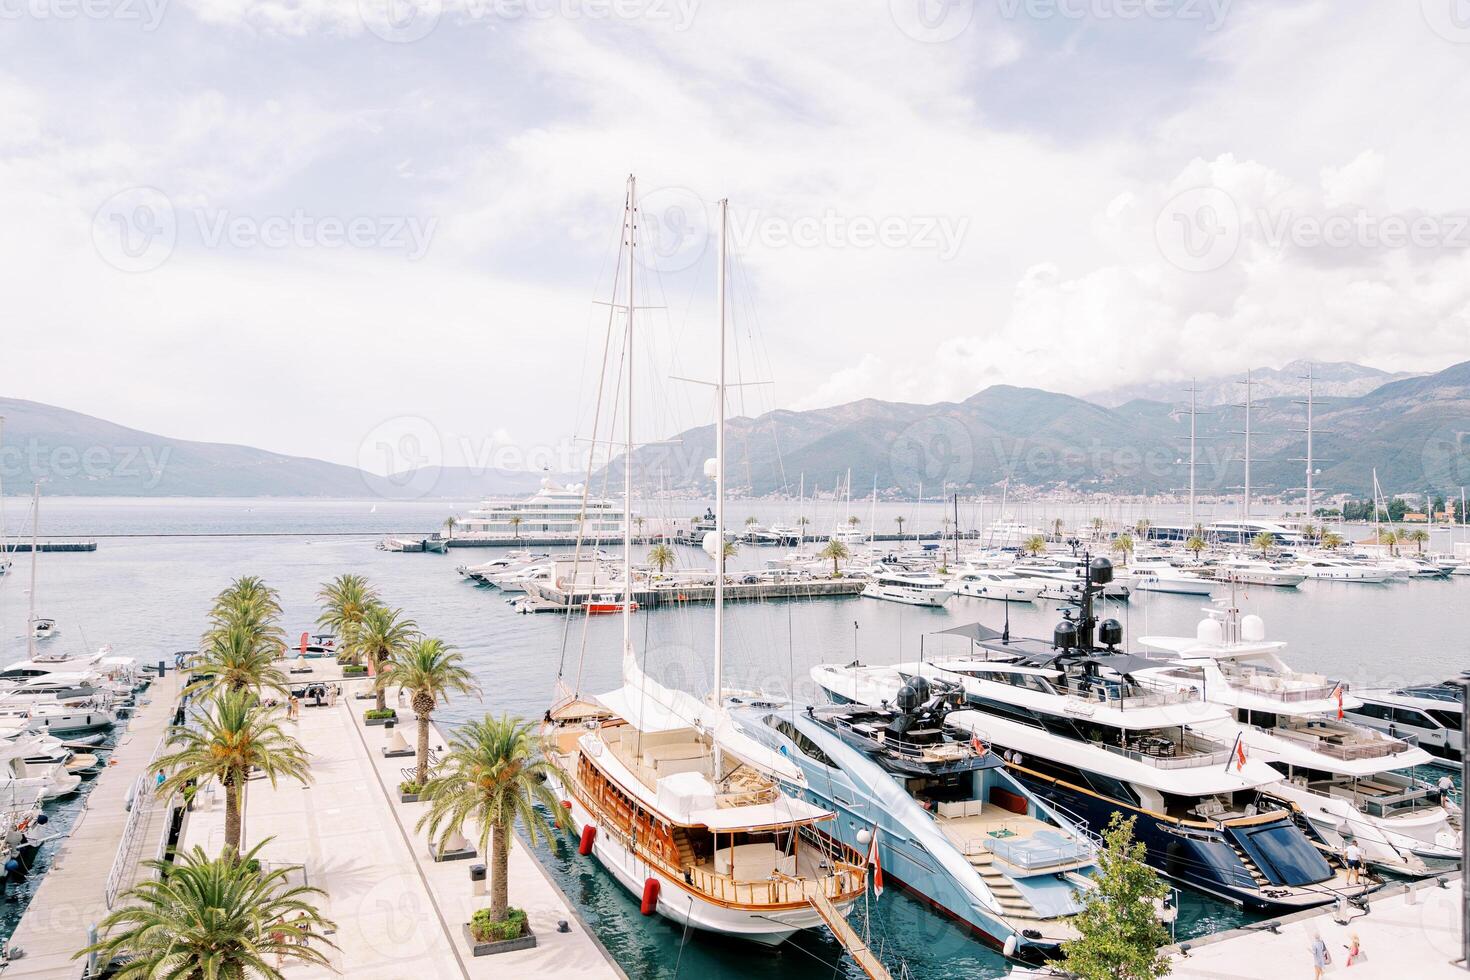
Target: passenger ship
[(551, 512), (681, 807)]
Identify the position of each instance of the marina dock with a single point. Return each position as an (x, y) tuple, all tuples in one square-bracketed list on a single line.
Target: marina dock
[(44, 547), (72, 896), (549, 599)]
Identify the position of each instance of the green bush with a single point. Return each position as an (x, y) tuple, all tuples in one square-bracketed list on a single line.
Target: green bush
[(354, 670), (487, 930), (379, 713), (410, 788)]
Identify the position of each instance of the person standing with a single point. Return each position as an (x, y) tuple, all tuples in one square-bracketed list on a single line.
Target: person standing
[(1320, 956), (1354, 856)]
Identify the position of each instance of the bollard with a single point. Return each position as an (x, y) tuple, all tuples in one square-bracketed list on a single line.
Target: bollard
[(477, 876)]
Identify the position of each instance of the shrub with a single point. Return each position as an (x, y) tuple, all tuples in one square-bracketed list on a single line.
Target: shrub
[(410, 788), (372, 713), (354, 670), (487, 930)]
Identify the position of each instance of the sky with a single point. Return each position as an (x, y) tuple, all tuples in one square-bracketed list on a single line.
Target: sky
[(339, 228)]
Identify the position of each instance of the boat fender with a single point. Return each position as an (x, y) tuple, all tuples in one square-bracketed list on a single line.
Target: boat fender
[(1010, 947), (650, 896), (589, 834)]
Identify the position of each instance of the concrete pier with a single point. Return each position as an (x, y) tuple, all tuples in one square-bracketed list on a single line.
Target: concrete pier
[(71, 896)]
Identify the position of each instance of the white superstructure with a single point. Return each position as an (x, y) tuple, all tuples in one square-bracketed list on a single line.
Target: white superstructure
[(551, 512)]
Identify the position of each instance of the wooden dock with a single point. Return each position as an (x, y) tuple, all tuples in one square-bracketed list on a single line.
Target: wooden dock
[(71, 897)]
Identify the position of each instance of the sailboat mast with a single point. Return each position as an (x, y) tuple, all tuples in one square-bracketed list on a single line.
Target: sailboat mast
[(628, 430), (1247, 508), (31, 615), (1193, 417), (1310, 386), (719, 695)]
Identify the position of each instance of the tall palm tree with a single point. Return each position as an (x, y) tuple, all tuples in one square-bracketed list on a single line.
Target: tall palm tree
[(1035, 544), (450, 523), (429, 670), (1331, 540), (218, 918), (853, 520), (1391, 540), (250, 589), (1264, 542), (345, 601), (834, 550), (515, 525), (661, 556), (495, 776), (1123, 545), (383, 635), (1419, 536), (899, 521), (233, 735), (1195, 544), (238, 658)]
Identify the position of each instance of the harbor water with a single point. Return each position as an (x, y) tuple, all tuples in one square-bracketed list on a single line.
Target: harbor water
[(145, 593)]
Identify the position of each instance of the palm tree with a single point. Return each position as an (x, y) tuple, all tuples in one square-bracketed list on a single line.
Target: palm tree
[(834, 550), (899, 521), (233, 735), (1264, 542), (853, 520), (238, 658), (1389, 539), (345, 600), (384, 633), (450, 523), (250, 604), (1196, 544), (1056, 528), (249, 589), (661, 556), (1331, 540), (1034, 545), (1418, 536), (495, 776), (637, 522), (224, 918), (751, 521), (430, 670), (1123, 545)]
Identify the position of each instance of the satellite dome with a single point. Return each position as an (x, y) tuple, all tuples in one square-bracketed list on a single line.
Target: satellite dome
[(1210, 632), (1252, 628), (712, 468), (711, 544)]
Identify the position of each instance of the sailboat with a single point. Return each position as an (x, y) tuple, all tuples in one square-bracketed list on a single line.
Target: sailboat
[(39, 628), (662, 788), (5, 562)]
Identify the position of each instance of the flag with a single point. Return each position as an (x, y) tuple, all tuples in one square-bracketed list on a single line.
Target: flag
[(875, 864), (1338, 691), (977, 745), (1239, 754)]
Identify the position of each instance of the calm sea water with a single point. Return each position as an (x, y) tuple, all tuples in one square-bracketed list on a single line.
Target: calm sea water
[(146, 594)]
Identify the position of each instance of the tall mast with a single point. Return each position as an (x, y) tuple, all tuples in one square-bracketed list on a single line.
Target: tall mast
[(1193, 416), (1310, 463), (628, 430), (720, 478), (31, 616), (1245, 510)]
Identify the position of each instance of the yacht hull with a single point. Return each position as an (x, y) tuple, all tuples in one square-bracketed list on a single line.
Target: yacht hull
[(933, 598)]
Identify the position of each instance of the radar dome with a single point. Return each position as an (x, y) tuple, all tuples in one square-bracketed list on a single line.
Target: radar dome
[(712, 468), (711, 543), (1210, 632), (1252, 628)]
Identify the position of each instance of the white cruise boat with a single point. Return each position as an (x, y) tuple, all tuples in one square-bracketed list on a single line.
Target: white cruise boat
[(553, 512), (17, 776), (1254, 571), (1323, 568), (1160, 575), (1009, 534), (910, 588), (1065, 581), (1427, 713), (1343, 777), (1001, 584), (1245, 531)]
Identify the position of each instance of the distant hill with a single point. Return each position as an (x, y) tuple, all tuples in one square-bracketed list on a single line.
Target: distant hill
[(1415, 431), (78, 455), (1331, 380)]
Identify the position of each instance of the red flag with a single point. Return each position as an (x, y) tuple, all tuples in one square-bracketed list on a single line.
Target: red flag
[(875, 864), (1338, 692), (1240, 754), (977, 745), (303, 642)]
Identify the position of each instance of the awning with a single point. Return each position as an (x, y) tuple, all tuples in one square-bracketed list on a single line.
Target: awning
[(978, 632)]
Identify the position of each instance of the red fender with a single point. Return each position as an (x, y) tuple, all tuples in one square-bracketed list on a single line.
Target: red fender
[(589, 834), (650, 897)]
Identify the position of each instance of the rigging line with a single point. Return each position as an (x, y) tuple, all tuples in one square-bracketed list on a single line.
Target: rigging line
[(684, 940), (591, 458)]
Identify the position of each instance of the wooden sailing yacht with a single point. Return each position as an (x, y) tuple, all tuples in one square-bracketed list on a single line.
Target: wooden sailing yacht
[(667, 794)]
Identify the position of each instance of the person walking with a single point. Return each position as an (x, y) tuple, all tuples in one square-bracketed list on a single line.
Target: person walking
[(1354, 856), (1354, 949), (1320, 956)]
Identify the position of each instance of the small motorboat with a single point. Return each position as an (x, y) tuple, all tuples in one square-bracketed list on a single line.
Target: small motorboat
[(44, 629), (608, 605)]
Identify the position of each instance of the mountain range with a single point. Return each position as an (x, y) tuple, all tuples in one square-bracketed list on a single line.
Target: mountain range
[(1340, 379), (1415, 431)]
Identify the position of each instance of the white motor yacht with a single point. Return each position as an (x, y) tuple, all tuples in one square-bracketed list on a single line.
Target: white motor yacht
[(1346, 779), (1160, 575), (1324, 568), (1002, 584), (1255, 571), (910, 588)]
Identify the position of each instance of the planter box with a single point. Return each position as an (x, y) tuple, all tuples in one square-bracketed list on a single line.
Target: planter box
[(408, 797), (380, 721), (527, 941), (365, 696), (463, 854), (399, 753)]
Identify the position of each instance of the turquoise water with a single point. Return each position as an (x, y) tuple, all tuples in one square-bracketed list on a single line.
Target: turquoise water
[(146, 596)]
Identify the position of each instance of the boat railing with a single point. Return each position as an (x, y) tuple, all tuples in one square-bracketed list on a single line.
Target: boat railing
[(1024, 852), (1284, 687), (1367, 748), (1410, 798), (932, 753), (1133, 694), (1165, 753)]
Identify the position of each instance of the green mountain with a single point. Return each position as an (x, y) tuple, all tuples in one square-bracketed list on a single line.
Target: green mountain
[(1416, 432), (78, 455)]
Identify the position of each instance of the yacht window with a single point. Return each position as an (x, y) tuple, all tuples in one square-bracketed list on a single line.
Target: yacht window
[(1408, 716), (1379, 711), (807, 746), (1447, 718)]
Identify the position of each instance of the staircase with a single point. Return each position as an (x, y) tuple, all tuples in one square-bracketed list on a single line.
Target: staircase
[(1260, 880), (686, 850), (1012, 903), (845, 933)]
